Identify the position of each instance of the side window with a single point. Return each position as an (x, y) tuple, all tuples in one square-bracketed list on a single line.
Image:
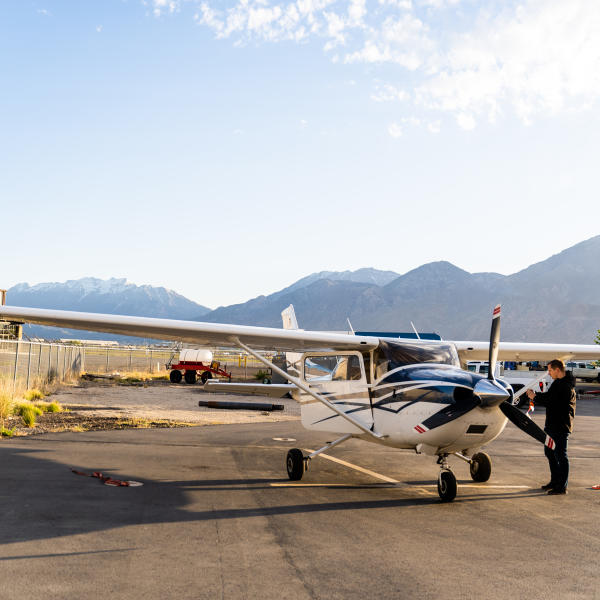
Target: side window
[(332, 368)]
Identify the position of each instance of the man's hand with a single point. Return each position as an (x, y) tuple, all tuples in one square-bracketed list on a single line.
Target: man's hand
[(530, 394)]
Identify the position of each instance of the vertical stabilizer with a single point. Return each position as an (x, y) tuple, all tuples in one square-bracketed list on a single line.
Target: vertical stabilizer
[(289, 318)]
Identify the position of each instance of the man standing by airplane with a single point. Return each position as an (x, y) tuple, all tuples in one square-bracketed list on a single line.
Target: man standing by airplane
[(559, 401)]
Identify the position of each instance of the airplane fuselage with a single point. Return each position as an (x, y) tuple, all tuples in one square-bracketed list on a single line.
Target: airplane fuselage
[(431, 408)]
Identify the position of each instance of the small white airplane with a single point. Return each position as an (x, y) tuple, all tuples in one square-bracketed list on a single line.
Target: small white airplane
[(408, 394)]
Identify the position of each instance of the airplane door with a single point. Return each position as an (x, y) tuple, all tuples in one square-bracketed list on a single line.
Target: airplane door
[(340, 378)]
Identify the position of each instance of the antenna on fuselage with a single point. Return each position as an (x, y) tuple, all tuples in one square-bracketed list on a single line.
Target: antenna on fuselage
[(415, 330)]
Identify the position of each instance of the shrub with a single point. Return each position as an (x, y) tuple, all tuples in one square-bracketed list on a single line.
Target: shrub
[(29, 414), (22, 407), (48, 407), (6, 432), (6, 408), (260, 375), (33, 394)]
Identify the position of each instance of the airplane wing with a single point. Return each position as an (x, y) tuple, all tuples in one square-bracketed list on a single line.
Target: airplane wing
[(203, 334), (271, 338), (523, 351)]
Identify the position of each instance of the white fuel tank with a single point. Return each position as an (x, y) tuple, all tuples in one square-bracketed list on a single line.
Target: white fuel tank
[(198, 356)]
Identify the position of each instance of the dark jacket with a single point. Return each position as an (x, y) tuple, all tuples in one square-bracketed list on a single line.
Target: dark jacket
[(559, 401)]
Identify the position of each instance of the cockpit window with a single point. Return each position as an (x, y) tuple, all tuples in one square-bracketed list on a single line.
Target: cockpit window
[(391, 355)]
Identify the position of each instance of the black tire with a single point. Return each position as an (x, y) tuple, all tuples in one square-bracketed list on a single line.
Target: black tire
[(206, 375), (175, 376), (598, 378), (190, 376), (447, 486), (295, 464), (481, 467), (267, 381)]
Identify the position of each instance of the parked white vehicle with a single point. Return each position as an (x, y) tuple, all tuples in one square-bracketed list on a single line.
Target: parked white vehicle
[(583, 370)]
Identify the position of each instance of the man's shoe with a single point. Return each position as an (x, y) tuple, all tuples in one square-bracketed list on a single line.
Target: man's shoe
[(557, 491), (547, 487)]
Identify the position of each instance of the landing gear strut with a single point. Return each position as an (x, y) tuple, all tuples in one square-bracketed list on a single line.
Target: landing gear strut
[(297, 463), (446, 480)]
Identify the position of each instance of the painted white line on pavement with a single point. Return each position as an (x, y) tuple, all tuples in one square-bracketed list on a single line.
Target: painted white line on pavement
[(355, 467)]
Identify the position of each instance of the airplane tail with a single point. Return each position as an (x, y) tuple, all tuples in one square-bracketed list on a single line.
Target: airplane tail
[(289, 318)]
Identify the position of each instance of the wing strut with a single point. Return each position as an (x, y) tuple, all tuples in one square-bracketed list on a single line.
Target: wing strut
[(305, 388)]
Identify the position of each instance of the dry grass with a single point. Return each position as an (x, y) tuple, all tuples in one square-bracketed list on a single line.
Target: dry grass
[(126, 377), (33, 394), (16, 399)]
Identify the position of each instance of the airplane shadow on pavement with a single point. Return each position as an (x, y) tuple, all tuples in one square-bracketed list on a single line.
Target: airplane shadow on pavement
[(40, 498)]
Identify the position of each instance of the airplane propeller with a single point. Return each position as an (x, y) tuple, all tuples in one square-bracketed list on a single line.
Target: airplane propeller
[(493, 394)]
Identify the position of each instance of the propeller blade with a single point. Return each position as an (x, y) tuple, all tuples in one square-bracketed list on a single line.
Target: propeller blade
[(524, 423), (494, 340)]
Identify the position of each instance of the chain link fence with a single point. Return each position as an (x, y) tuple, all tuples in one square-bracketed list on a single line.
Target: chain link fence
[(31, 363)]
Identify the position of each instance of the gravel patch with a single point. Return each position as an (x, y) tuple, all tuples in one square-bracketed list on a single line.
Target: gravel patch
[(108, 405)]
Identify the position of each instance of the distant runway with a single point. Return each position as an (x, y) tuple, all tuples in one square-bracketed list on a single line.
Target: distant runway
[(217, 517)]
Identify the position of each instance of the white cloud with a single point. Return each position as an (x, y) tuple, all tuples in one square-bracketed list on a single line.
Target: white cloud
[(165, 6), (434, 126), (402, 4), (466, 121), (43, 11), (99, 28), (395, 130), (389, 93), (542, 59), (482, 62)]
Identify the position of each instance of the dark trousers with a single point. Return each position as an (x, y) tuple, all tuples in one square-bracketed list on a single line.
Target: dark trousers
[(558, 460)]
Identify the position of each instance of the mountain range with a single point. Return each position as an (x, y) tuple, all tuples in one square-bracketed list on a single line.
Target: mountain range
[(555, 300), (110, 296)]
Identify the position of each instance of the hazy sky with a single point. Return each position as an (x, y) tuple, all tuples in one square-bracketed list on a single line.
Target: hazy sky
[(226, 148)]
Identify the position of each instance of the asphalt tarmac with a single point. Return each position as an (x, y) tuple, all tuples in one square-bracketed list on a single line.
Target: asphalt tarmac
[(217, 517)]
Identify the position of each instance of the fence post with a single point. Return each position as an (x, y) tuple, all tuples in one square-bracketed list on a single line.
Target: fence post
[(49, 362), (150, 361), (39, 360), (16, 365), (29, 366), (107, 356), (130, 351)]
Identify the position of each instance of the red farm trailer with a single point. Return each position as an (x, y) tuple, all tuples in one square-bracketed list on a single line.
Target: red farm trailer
[(192, 363)]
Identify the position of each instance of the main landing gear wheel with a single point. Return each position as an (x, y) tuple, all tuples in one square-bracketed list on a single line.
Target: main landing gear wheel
[(206, 375), (190, 376), (480, 467), (295, 464), (447, 486), (175, 376)]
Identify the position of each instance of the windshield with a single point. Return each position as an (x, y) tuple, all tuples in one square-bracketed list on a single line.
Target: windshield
[(391, 355)]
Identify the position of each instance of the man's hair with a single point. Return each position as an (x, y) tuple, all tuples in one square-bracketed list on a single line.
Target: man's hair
[(557, 364)]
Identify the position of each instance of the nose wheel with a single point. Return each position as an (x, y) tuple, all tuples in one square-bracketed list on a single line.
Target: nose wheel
[(446, 480)]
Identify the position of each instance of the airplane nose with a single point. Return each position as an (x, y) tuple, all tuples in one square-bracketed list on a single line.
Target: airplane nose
[(490, 393)]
